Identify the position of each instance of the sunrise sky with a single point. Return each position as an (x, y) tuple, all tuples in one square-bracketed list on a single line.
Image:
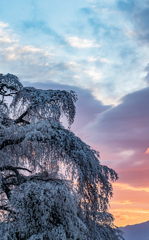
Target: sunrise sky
[(100, 49)]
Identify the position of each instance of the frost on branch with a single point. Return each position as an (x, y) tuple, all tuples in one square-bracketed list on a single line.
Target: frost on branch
[(44, 104), (36, 202), (47, 208), (10, 81)]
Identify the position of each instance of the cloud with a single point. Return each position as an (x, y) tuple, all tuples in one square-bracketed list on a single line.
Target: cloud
[(121, 135), (98, 71), (125, 186), (127, 202), (94, 74), (3, 25), (29, 55), (124, 217), (126, 193), (45, 63), (81, 43), (120, 132), (39, 62), (98, 59), (30, 49), (125, 126), (6, 35)]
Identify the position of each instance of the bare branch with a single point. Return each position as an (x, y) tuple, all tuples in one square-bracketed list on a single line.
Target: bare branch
[(20, 119), (23, 169), (14, 169), (11, 142)]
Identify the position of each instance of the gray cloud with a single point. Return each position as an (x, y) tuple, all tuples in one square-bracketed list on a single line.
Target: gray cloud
[(121, 133), (126, 125)]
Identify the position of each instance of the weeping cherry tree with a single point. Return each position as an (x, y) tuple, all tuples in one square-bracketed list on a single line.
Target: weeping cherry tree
[(52, 185)]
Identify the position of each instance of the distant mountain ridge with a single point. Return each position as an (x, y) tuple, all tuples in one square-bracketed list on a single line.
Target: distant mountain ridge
[(136, 232)]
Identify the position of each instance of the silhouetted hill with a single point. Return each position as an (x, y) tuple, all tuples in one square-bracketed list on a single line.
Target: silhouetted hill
[(136, 232)]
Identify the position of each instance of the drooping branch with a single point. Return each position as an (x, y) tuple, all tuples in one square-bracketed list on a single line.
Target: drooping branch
[(14, 169), (23, 169), (5, 185), (11, 168), (48, 104)]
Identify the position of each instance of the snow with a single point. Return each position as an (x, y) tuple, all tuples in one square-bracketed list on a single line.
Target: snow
[(40, 203)]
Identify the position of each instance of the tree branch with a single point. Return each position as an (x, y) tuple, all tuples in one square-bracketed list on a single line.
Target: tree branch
[(14, 169), (23, 169), (11, 168), (11, 142), (20, 119), (5, 187)]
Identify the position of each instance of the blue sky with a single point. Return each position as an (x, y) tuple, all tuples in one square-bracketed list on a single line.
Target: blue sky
[(96, 45), (100, 49)]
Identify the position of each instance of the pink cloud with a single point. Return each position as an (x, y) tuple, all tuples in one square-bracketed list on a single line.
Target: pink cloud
[(121, 134)]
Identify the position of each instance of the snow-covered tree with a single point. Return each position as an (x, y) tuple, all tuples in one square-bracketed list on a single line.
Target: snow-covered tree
[(38, 199)]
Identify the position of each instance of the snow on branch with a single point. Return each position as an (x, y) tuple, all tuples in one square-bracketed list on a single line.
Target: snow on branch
[(40, 203), (10, 81), (44, 104)]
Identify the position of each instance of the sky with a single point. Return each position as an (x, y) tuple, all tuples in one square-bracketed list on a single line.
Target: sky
[(100, 49)]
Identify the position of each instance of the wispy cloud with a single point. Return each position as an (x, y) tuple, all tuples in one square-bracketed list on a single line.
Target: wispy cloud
[(94, 74), (120, 125), (82, 43), (96, 59), (127, 202), (131, 211), (6, 35), (124, 186)]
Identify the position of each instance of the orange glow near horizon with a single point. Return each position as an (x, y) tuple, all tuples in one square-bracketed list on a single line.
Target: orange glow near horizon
[(130, 202), (129, 205)]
